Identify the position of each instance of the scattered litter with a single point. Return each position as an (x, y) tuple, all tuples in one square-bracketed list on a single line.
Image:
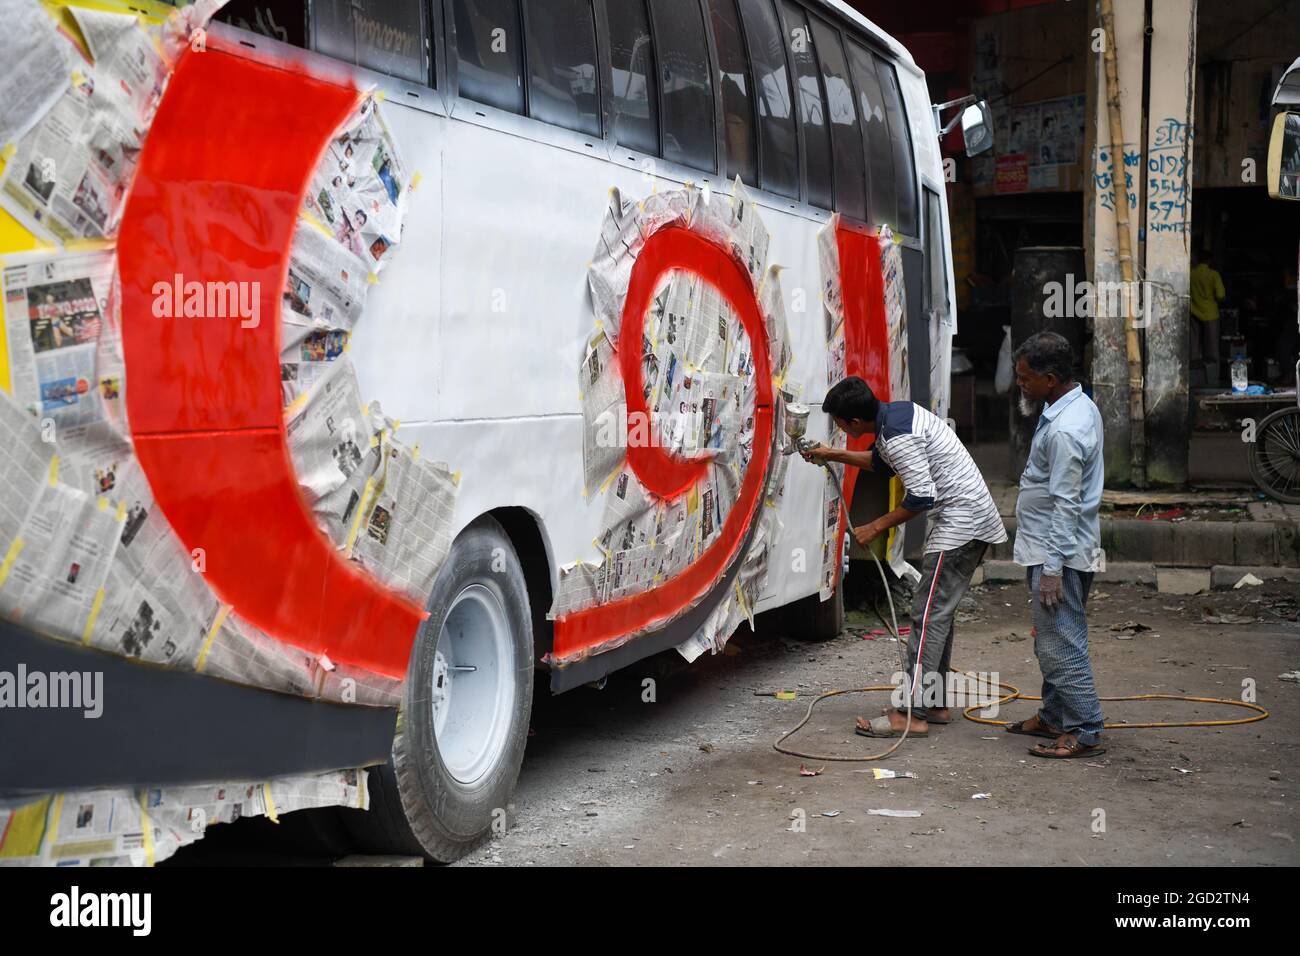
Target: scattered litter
[(1132, 627), (980, 796), (707, 748), (1181, 770), (1247, 580), (1211, 616), (831, 813), (880, 773), (1292, 676), (778, 694), (1275, 775), (994, 737), (894, 813), (809, 772)]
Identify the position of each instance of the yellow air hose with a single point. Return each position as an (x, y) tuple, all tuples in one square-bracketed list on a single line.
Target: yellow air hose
[(1013, 693)]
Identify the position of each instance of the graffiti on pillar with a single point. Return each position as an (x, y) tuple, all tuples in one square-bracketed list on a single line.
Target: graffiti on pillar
[(1104, 176), (1167, 177)]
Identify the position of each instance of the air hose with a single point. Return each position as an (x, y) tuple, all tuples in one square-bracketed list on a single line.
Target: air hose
[(1011, 693)]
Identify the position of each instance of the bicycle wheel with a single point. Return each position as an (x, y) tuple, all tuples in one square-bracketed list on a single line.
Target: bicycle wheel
[(1275, 455)]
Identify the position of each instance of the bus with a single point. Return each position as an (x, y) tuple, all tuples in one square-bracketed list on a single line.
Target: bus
[(777, 164)]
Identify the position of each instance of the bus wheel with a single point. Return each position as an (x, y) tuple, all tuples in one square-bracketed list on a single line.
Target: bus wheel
[(464, 716)]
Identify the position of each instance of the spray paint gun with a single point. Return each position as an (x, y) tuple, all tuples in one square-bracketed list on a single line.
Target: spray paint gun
[(796, 427)]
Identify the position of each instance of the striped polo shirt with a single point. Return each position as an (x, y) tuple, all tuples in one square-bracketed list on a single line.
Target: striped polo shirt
[(938, 474)]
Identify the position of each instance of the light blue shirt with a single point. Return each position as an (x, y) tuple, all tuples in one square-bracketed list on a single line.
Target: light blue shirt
[(1057, 522)]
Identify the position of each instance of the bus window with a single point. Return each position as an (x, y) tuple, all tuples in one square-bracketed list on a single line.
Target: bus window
[(388, 36), (850, 168), (636, 93), (812, 107), (901, 139), (562, 87), (685, 87), (778, 144), (737, 96), (875, 131), (935, 298), (283, 20), (491, 57)]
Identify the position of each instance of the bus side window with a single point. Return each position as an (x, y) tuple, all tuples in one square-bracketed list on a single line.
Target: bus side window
[(562, 85), (812, 106), (685, 83), (633, 75), (283, 20), (850, 167), (935, 298), (490, 68), (778, 142), (737, 91), (875, 131), (387, 36), (900, 136)]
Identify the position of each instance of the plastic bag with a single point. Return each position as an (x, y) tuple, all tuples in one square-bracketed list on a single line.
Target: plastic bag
[(1006, 372)]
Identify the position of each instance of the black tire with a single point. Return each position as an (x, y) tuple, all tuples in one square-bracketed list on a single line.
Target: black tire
[(1275, 455), (418, 806), (814, 620)]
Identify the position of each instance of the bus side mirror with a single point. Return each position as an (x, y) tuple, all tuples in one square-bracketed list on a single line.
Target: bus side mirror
[(1284, 157), (977, 128)]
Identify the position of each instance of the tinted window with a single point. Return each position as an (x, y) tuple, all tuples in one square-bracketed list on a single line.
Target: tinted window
[(850, 167), (384, 35), (685, 86), (636, 94), (737, 91), (562, 64), (283, 20), (936, 273), (900, 137), (490, 53), (812, 108), (875, 130), (778, 145)]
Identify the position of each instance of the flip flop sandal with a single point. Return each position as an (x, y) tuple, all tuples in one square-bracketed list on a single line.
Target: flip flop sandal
[(880, 727), (936, 720), (1072, 750), (1019, 728)]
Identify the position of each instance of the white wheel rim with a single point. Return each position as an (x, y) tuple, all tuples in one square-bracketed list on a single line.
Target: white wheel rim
[(473, 684)]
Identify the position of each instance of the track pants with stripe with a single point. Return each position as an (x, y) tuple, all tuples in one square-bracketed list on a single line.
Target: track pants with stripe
[(945, 576)]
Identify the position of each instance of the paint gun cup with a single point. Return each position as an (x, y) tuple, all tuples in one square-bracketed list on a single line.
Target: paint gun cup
[(796, 425)]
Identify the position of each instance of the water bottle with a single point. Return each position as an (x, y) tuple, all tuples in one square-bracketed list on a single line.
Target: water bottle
[(1239, 378)]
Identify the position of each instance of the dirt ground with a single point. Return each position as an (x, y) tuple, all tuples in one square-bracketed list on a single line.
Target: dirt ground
[(690, 778)]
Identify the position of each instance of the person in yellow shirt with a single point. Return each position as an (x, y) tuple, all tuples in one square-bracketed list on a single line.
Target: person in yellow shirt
[(1207, 292)]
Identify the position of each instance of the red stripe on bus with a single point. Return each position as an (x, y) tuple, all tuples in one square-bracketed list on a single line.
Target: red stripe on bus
[(215, 199), (677, 248), (866, 333)]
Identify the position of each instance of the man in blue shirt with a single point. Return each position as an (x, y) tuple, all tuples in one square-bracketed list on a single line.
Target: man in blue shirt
[(1058, 542)]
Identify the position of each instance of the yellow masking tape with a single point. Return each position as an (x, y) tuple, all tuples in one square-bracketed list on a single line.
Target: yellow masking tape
[(54, 470), (147, 827), (94, 613), (361, 510), (26, 829), (212, 633), (10, 557), (270, 804)]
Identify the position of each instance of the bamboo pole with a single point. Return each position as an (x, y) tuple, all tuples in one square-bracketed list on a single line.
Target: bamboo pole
[(1136, 408)]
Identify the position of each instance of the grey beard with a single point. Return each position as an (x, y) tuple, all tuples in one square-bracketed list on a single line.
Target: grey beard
[(1027, 408)]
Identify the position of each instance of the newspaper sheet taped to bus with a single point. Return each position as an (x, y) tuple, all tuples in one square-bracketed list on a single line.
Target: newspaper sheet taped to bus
[(698, 378), (85, 554), (141, 827)]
